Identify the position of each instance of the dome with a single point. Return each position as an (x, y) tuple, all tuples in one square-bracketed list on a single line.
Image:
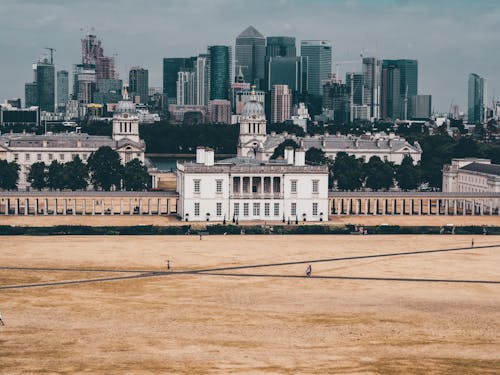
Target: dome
[(125, 106), (253, 107)]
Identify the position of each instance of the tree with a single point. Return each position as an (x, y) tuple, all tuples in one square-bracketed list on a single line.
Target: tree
[(37, 176), (280, 150), (379, 174), (135, 176), (9, 174), (105, 168), (407, 174), (316, 156), (76, 174), (347, 171), (55, 176)]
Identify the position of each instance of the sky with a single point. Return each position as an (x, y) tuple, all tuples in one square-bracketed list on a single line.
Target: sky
[(449, 38)]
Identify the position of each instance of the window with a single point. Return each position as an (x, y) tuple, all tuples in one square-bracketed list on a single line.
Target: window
[(256, 209), (51, 156), (27, 157), (218, 186), (38, 157), (293, 209), (236, 209), (267, 209), (218, 209), (197, 186), (315, 186), (245, 209), (197, 209), (315, 209), (61, 156), (293, 186), (16, 157), (276, 209)]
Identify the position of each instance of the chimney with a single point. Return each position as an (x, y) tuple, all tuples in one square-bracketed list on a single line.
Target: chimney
[(209, 157), (300, 157), (200, 155), (289, 155)]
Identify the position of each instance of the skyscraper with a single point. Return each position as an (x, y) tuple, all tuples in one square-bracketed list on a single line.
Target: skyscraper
[(290, 71), (250, 55), (390, 91), (139, 83), (283, 46), (172, 66), (337, 97), (420, 107), (281, 104), (202, 80), (220, 72), (93, 55), (372, 70), (319, 61), (31, 94), (186, 88), (477, 99), (45, 85), (62, 89), (408, 82), (355, 83)]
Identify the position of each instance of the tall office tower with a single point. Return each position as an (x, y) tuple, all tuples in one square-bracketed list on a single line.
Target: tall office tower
[(283, 46), (319, 60), (290, 71), (84, 83), (281, 104), (172, 66), (62, 89), (220, 72), (477, 99), (186, 88), (337, 97), (372, 70), (355, 83), (420, 107), (108, 91), (390, 92), (139, 84), (408, 85), (202, 80), (44, 83), (93, 56), (250, 54)]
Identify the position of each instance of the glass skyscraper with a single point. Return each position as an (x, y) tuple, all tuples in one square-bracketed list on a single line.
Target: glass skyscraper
[(287, 71), (250, 55), (139, 83), (46, 85), (391, 105), (171, 67), (372, 71), (220, 72), (319, 56), (62, 89), (477, 99), (283, 46)]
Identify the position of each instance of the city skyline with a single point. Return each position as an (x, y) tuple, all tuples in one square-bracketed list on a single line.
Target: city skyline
[(444, 39)]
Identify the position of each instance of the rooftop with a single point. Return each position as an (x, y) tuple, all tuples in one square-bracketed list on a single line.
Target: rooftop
[(250, 32), (493, 169)]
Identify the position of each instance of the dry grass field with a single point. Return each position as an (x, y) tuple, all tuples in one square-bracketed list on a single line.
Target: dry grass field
[(424, 313)]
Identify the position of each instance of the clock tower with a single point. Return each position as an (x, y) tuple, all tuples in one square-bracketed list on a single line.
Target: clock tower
[(252, 129)]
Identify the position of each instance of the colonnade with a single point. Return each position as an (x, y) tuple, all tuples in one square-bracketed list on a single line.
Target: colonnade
[(75, 205), (371, 205)]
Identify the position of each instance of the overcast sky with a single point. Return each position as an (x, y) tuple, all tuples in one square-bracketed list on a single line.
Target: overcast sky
[(450, 38)]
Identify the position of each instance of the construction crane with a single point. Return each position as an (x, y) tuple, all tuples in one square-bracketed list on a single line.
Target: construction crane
[(52, 50)]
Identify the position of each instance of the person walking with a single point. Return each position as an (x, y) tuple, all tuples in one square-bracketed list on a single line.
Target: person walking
[(308, 271), (1, 320), (168, 265), (472, 243)]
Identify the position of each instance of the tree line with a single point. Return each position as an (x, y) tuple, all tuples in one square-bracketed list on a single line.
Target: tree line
[(103, 170)]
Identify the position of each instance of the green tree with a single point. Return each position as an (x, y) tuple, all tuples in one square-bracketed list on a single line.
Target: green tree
[(347, 171), (9, 175), (280, 150), (38, 176), (76, 174), (135, 176), (316, 156), (408, 174), (105, 168), (55, 176), (379, 174)]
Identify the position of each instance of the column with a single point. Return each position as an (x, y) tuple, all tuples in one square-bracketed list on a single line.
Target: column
[(455, 207), (7, 206), (121, 206), (168, 206), (140, 206), (438, 206), (429, 207), (93, 206), (46, 207), (339, 207), (112, 206), (375, 207), (420, 206), (412, 206), (55, 206), (367, 202), (446, 207), (403, 201), (36, 206), (130, 209), (103, 207), (65, 206), (491, 207), (84, 206), (74, 206), (26, 206), (482, 206), (149, 206), (393, 211), (384, 207), (159, 207), (464, 208)]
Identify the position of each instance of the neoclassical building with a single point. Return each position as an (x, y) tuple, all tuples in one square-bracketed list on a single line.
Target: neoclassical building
[(471, 175), (250, 187), (27, 149)]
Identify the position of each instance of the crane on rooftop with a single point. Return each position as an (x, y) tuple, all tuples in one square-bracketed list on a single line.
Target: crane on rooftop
[(52, 50)]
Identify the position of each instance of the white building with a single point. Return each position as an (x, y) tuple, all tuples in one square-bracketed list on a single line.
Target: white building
[(249, 188), (301, 116), (27, 149), (471, 175)]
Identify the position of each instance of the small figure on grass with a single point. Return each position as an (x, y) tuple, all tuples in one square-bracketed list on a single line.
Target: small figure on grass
[(308, 271)]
